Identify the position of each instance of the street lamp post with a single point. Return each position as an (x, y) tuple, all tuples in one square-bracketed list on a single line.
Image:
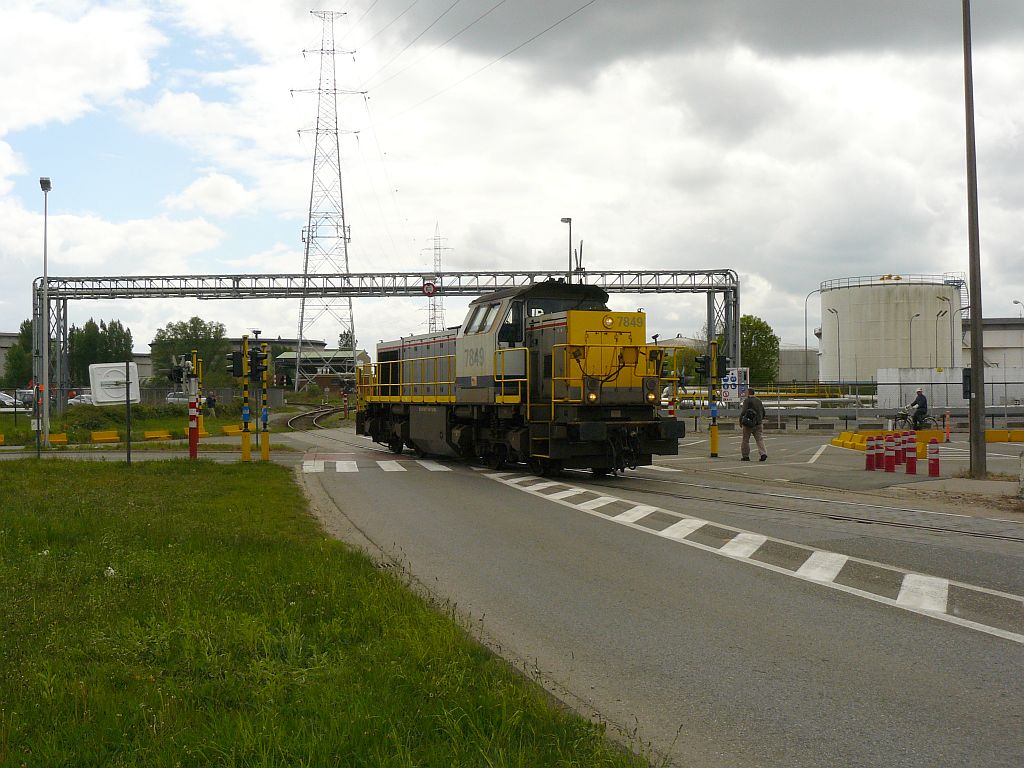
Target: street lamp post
[(568, 275), (44, 185), (911, 335), (949, 306), (1021, 310), (937, 316), (816, 290), (839, 348)]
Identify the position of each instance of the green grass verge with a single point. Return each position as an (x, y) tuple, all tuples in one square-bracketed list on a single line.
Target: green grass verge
[(186, 613)]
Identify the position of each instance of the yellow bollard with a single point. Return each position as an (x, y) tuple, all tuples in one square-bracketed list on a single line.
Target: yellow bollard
[(265, 445), (714, 441)]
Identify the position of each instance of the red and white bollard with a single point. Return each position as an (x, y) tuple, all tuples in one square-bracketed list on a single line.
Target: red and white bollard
[(933, 458), (911, 467), (672, 408), (193, 428), (344, 405), (890, 452), (901, 448), (869, 455)]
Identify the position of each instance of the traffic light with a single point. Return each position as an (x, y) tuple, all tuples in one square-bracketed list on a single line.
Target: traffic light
[(257, 363), (234, 364), (701, 363), (723, 367)]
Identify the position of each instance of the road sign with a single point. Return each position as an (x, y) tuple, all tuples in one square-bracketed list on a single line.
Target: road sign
[(108, 384), (429, 289), (734, 385)]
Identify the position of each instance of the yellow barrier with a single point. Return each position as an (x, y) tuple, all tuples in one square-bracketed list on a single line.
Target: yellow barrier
[(156, 434), (1, 439), (1016, 436), (59, 438), (997, 435), (103, 436), (232, 430)]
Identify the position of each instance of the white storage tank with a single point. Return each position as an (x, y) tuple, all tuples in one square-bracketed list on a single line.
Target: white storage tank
[(889, 321)]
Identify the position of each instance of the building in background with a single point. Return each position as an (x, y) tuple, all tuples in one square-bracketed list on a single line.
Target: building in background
[(890, 321)]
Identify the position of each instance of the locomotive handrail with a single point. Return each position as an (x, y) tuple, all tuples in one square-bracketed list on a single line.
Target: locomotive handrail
[(579, 354), (521, 381), (400, 385)]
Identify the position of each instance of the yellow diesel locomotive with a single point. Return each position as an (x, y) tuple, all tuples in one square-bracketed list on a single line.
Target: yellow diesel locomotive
[(543, 374)]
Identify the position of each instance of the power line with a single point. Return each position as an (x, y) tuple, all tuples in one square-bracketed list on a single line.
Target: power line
[(413, 41), (442, 45), (382, 29), (494, 61)]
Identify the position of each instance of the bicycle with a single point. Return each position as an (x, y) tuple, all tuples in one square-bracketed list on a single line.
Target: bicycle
[(905, 420)]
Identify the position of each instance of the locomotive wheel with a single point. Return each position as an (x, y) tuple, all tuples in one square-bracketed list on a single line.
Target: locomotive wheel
[(496, 457), (395, 444), (545, 467)]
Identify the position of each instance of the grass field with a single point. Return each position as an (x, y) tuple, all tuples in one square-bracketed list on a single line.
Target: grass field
[(186, 613)]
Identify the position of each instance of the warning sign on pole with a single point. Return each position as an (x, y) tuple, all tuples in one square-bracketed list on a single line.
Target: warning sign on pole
[(734, 385), (429, 289)]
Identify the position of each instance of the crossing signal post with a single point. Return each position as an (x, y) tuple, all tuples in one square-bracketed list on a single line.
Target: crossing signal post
[(263, 371), (713, 380), (246, 435)]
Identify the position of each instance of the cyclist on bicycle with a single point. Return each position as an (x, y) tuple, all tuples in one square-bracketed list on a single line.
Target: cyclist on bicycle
[(919, 408)]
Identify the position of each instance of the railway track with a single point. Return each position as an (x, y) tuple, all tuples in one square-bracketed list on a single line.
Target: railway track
[(312, 417)]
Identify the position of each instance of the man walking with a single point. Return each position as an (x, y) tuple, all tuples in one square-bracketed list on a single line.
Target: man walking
[(751, 418)]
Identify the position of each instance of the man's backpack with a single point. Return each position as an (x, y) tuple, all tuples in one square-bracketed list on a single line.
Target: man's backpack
[(749, 418)]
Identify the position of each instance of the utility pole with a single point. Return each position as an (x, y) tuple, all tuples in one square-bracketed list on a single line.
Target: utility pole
[(435, 310), (979, 458), (326, 235)]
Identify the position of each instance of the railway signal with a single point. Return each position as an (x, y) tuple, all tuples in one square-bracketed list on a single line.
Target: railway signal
[(234, 364)]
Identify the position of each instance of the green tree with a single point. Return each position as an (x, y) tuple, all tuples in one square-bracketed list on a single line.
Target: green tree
[(18, 363), (182, 337), (104, 343), (759, 347), (345, 340)]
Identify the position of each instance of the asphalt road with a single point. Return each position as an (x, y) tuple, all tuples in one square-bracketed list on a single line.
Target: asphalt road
[(612, 597)]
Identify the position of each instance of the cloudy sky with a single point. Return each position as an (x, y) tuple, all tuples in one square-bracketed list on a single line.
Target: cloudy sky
[(793, 141)]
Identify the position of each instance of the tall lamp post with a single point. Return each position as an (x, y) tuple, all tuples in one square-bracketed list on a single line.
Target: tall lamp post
[(910, 333), (839, 347), (939, 314), (568, 275), (816, 290), (44, 184), (1016, 301)]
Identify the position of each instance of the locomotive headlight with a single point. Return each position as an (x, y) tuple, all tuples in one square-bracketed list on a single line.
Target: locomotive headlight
[(592, 397), (608, 321), (651, 397)]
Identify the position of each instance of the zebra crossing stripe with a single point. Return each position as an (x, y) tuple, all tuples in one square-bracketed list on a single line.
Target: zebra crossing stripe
[(345, 466), (433, 466), (391, 466), (312, 466)]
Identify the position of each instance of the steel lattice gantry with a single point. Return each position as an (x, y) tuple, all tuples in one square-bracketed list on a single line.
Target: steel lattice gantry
[(721, 286)]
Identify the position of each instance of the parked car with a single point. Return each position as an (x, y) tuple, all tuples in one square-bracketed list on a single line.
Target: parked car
[(177, 398), (27, 397), (6, 401), (81, 400)]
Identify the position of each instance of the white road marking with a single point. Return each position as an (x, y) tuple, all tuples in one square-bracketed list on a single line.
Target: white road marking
[(312, 466), (817, 453), (662, 469), (600, 501), (683, 528), (345, 466), (391, 466), (523, 479), (433, 466), (548, 484), (744, 544), (822, 566), (562, 494), (926, 593), (638, 512)]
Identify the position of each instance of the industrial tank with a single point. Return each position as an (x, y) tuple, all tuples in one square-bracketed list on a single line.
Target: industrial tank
[(889, 321)]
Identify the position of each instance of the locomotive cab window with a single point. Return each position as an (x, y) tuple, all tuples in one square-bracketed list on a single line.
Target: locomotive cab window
[(511, 332), (482, 318), (542, 306)]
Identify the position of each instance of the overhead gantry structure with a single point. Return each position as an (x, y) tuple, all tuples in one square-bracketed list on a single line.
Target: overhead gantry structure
[(722, 287)]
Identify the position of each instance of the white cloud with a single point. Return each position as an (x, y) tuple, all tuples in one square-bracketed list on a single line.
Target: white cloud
[(215, 194)]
